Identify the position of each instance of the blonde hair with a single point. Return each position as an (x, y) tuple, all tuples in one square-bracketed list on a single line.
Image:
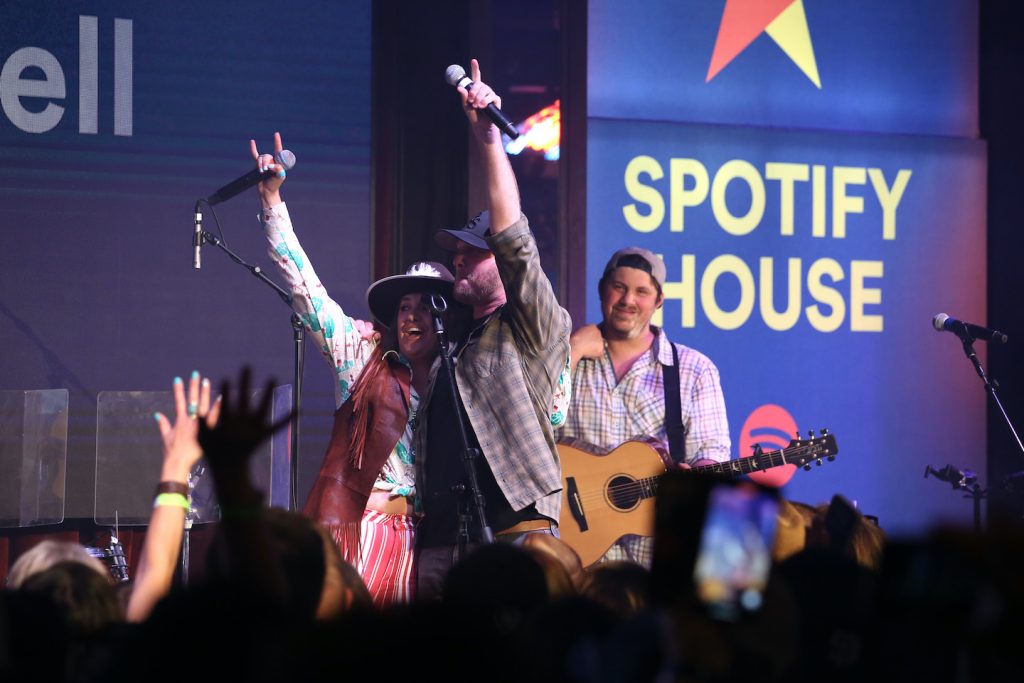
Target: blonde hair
[(794, 520), (563, 570), (46, 554), (866, 543)]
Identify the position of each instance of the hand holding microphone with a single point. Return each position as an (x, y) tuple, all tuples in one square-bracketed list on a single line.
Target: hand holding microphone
[(273, 169), (267, 176), (268, 168), (478, 96)]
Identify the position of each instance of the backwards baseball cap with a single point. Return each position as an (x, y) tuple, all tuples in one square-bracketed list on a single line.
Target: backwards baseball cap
[(656, 265), (472, 233), (422, 277)]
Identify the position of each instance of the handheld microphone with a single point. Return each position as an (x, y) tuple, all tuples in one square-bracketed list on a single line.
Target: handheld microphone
[(197, 237), (967, 331), (456, 76), (250, 179)]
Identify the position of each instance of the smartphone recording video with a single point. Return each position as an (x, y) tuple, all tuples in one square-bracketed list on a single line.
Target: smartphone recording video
[(735, 551)]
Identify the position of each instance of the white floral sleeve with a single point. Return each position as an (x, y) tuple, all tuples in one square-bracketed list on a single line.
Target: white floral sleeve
[(563, 396), (334, 332)]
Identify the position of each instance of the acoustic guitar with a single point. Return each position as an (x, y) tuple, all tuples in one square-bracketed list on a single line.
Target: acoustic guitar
[(606, 496)]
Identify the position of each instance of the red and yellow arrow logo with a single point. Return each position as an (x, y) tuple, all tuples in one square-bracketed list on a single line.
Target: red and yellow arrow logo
[(783, 20)]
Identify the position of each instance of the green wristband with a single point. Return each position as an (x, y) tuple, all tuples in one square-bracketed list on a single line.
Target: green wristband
[(172, 500)]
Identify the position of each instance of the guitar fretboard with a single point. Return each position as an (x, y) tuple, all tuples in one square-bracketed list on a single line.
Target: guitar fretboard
[(796, 455)]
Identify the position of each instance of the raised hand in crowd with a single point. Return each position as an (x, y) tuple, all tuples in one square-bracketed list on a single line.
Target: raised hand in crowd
[(229, 446), (181, 451), (230, 443), (180, 439)]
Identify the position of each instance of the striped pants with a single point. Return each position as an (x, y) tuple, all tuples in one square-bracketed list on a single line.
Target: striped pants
[(386, 556)]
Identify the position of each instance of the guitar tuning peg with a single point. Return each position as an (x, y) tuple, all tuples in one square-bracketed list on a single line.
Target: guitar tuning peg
[(817, 461), (831, 458), (810, 433), (798, 435), (824, 432), (807, 467)]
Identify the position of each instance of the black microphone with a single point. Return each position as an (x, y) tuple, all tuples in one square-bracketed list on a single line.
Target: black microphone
[(250, 179), (967, 331), (197, 236), (456, 76)]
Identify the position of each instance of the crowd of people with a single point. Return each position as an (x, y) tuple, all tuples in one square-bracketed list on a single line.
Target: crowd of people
[(278, 601), (420, 553)]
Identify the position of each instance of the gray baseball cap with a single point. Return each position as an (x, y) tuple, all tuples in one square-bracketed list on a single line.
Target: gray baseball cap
[(657, 265)]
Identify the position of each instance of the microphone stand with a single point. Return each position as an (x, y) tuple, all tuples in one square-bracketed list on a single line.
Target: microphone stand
[(990, 384), (962, 480), (469, 455), (299, 337)]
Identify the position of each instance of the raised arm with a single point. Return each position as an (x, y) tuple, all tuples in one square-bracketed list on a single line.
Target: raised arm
[(530, 301), (502, 190), (229, 446), (345, 342), (161, 549)]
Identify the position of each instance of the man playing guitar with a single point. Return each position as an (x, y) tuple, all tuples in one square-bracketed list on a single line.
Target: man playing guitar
[(620, 368)]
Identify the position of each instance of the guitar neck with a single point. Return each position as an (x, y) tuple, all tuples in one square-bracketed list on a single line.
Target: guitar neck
[(754, 463), (729, 468)]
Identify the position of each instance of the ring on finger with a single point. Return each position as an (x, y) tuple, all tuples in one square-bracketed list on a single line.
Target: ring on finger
[(193, 410)]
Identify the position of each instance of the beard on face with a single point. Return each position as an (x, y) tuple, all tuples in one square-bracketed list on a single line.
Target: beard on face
[(619, 325), (478, 288)]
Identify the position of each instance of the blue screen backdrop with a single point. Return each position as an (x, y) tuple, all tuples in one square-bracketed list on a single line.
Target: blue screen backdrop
[(818, 194), (159, 102)]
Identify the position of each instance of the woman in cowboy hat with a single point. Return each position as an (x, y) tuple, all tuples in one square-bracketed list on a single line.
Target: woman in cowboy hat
[(365, 491)]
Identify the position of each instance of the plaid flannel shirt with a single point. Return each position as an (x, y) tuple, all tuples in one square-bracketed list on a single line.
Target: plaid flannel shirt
[(508, 375), (606, 411)]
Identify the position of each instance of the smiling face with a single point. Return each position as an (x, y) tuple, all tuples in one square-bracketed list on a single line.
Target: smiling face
[(629, 297), (414, 325)]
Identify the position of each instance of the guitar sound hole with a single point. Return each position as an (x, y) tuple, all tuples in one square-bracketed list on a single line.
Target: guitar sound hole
[(623, 493)]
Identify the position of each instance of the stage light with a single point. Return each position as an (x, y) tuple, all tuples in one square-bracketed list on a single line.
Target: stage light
[(541, 132)]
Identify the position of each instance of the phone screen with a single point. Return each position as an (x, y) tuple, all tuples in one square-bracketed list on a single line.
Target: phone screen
[(735, 552)]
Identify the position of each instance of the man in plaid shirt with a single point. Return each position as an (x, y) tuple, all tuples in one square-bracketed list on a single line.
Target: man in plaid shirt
[(507, 368), (618, 379)]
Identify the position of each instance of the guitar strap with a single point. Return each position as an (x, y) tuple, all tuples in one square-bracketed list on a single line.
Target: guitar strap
[(674, 410)]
